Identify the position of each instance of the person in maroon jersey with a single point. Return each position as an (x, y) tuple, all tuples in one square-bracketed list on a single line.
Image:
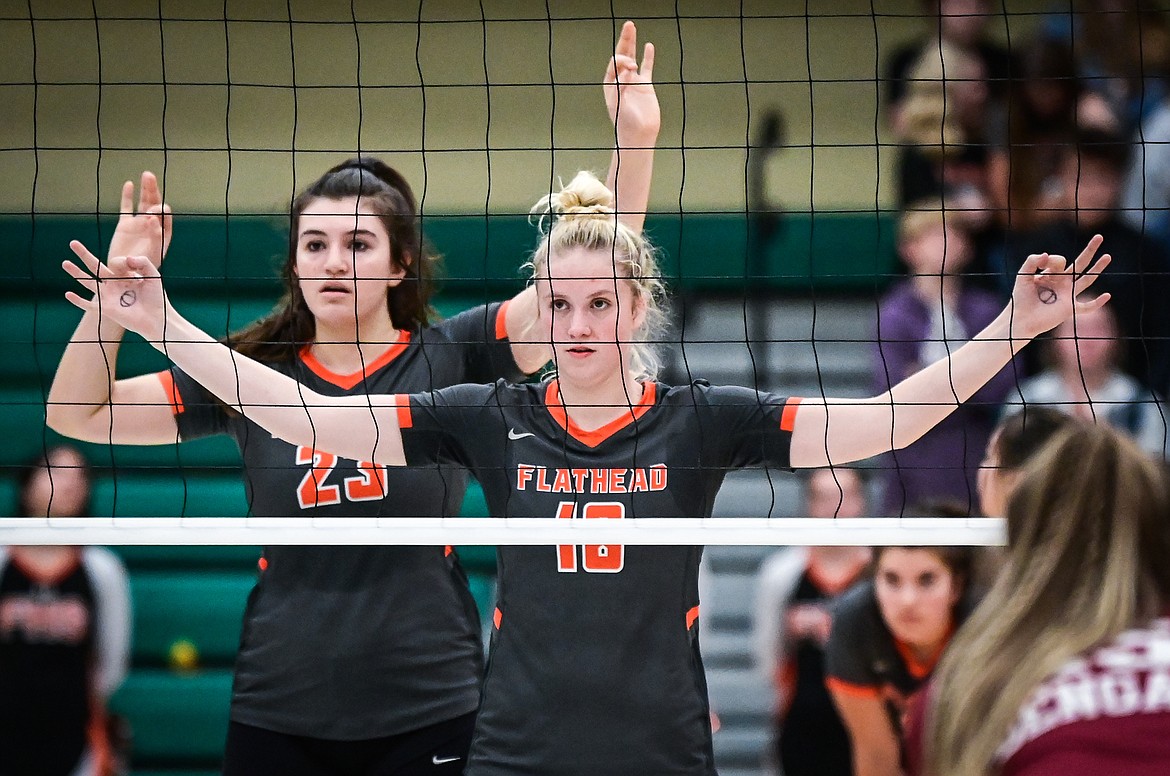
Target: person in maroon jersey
[(64, 635), (595, 665), (1065, 667), (352, 659)]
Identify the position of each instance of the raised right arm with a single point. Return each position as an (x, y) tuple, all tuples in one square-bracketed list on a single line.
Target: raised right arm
[(129, 290), (86, 401)]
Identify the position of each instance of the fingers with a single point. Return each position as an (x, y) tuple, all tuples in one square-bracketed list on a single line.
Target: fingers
[(1089, 305), (1032, 264), (81, 276), (148, 195), (126, 206), (648, 63), (627, 41), (91, 262), (1086, 256), (78, 301), (1089, 276)]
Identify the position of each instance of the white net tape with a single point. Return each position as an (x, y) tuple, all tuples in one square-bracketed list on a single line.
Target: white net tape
[(873, 531)]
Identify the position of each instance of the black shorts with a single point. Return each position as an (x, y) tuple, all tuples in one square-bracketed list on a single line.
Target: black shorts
[(438, 750)]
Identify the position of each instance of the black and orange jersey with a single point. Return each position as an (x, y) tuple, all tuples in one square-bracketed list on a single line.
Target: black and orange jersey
[(811, 737), (595, 664), (864, 658), (350, 643), (47, 652)]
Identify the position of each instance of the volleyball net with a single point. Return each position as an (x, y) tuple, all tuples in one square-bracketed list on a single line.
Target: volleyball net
[(777, 195)]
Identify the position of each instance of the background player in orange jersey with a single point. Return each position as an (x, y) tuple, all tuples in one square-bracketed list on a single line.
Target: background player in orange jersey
[(595, 664)]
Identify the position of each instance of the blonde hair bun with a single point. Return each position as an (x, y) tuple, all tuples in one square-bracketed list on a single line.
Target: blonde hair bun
[(585, 195)]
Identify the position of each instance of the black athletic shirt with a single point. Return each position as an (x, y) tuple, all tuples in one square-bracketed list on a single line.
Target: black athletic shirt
[(47, 637), (864, 658), (595, 664), (812, 739), (351, 643)]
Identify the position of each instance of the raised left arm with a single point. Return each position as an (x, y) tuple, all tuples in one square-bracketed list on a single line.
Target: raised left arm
[(832, 432)]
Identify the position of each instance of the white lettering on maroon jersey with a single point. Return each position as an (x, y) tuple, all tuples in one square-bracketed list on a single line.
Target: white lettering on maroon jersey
[(1129, 676)]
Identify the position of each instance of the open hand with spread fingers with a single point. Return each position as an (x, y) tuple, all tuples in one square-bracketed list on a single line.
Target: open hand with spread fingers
[(128, 290), (1048, 290)]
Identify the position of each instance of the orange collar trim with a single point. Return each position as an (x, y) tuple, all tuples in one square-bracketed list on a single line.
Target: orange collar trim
[(350, 380), (556, 408), (922, 670)]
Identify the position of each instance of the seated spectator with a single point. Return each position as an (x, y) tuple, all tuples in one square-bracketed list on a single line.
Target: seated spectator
[(921, 319), (1122, 50), (942, 127), (797, 590), (64, 635), (962, 24), (1085, 381), (1062, 668), (888, 634), (1091, 171), (1026, 133)]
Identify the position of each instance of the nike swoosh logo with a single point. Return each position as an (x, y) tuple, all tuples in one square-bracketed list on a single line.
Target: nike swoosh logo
[(513, 434), (443, 760)]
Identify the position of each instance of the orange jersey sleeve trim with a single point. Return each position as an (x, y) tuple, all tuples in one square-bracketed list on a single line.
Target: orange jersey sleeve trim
[(848, 688), (497, 616), (168, 383), (402, 402), (788, 417), (692, 615), (502, 321)]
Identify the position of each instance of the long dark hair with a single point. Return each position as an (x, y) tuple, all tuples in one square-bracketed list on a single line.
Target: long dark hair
[(281, 334)]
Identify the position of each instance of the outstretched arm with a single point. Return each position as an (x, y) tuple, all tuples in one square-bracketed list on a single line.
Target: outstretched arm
[(86, 401), (633, 109), (837, 431), (129, 290)]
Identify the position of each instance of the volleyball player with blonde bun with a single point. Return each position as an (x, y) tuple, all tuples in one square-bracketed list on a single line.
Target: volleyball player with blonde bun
[(595, 665), (1064, 669), (353, 660)]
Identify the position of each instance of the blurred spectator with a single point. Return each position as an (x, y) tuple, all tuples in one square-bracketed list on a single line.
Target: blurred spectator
[(942, 125), (1085, 381), (1091, 171), (1062, 668), (888, 634), (64, 635), (922, 319), (797, 589), (1145, 197), (1027, 132), (962, 24), (1122, 50)]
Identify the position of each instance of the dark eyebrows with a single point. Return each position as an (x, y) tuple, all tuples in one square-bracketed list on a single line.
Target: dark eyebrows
[(353, 232)]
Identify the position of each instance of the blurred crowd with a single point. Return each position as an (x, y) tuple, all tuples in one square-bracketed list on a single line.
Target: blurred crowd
[(1003, 151)]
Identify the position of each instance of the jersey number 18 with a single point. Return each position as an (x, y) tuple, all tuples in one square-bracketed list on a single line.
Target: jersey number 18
[(597, 558)]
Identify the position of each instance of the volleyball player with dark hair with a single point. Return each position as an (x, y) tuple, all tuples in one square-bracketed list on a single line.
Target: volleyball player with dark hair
[(595, 665), (352, 659), (888, 634)]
